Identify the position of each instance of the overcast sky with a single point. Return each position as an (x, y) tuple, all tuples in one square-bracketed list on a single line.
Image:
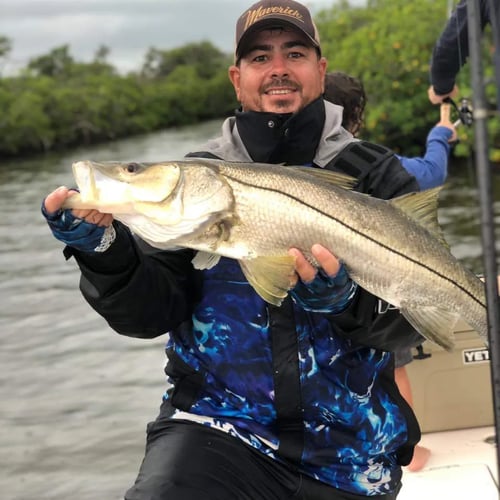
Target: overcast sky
[(127, 27)]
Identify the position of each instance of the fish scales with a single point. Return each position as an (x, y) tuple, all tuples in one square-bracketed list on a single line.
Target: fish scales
[(365, 235)]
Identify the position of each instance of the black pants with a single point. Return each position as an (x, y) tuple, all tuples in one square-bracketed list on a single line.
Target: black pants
[(189, 461)]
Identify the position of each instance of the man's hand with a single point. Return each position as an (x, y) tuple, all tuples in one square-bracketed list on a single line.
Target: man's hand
[(307, 272), (84, 230), (327, 290), (55, 200), (438, 99)]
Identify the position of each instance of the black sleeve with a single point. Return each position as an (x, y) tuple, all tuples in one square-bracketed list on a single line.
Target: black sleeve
[(371, 322), (452, 47), (139, 291), (368, 320)]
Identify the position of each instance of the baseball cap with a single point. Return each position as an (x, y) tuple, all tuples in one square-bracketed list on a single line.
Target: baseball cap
[(270, 13)]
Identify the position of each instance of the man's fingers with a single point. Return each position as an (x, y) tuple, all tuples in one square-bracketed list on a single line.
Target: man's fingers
[(101, 219), (438, 99), (326, 260), (54, 201), (93, 217), (306, 271)]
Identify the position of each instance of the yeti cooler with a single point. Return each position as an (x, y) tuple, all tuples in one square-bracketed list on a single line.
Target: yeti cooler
[(452, 390)]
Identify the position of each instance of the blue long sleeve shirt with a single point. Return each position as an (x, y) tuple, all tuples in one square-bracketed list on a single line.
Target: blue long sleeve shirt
[(431, 170)]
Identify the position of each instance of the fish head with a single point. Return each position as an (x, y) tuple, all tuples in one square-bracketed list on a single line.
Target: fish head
[(166, 203), (119, 187)]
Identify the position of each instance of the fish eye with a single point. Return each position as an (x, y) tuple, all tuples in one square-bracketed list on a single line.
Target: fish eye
[(132, 167)]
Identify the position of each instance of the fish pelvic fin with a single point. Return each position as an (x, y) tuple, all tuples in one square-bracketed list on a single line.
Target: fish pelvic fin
[(205, 260), (271, 277), (422, 207), (433, 323)]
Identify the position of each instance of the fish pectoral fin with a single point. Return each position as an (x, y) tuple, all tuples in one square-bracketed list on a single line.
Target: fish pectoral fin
[(433, 323), (205, 260), (271, 277)]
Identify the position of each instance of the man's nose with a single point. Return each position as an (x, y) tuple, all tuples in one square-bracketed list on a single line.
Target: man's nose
[(280, 65)]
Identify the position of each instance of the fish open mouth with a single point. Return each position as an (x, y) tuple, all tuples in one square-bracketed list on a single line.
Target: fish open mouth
[(98, 188), (85, 180)]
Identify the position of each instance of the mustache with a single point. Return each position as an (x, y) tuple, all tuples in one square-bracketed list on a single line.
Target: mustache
[(279, 83)]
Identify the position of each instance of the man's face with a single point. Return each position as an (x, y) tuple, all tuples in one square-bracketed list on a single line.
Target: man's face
[(279, 73)]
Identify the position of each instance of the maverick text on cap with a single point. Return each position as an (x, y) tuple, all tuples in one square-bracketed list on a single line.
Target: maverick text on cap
[(274, 13)]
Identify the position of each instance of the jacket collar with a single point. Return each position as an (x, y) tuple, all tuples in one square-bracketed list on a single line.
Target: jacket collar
[(321, 146), (282, 138)]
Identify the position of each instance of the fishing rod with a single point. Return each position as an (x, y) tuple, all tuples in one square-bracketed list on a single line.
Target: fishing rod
[(485, 189)]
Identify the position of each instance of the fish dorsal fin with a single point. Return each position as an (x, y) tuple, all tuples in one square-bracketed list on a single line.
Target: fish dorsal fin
[(337, 179), (271, 277), (422, 207), (205, 260), (434, 323)]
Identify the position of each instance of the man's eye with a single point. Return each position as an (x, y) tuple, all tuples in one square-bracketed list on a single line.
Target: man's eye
[(295, 55), (260, 58)]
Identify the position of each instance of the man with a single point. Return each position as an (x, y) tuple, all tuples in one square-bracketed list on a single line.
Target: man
[(266, 402), (430, 171), (452, 49)]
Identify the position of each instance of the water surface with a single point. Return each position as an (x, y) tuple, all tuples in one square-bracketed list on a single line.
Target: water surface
[(75, 396)]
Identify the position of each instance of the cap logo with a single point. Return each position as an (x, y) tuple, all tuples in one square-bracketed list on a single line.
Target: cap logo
[(255, 15)]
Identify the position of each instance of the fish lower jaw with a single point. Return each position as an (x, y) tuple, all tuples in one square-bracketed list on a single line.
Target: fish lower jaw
[(116, 209)]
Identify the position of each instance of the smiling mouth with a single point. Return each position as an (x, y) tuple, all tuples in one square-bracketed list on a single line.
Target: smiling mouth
[(279, 91)]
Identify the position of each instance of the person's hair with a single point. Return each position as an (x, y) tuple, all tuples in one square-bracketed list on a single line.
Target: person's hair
[(348, 92)]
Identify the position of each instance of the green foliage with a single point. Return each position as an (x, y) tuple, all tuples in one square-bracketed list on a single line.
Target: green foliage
[(24, 124), (203, 57), (57, 63), (59, 103), (388, 45), (95, 107), (5, 48)]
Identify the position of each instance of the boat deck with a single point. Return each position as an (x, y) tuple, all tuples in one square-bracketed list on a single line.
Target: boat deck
[(462, 466)]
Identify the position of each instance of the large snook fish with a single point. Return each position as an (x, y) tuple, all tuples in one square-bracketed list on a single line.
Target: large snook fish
[(255, 212)]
